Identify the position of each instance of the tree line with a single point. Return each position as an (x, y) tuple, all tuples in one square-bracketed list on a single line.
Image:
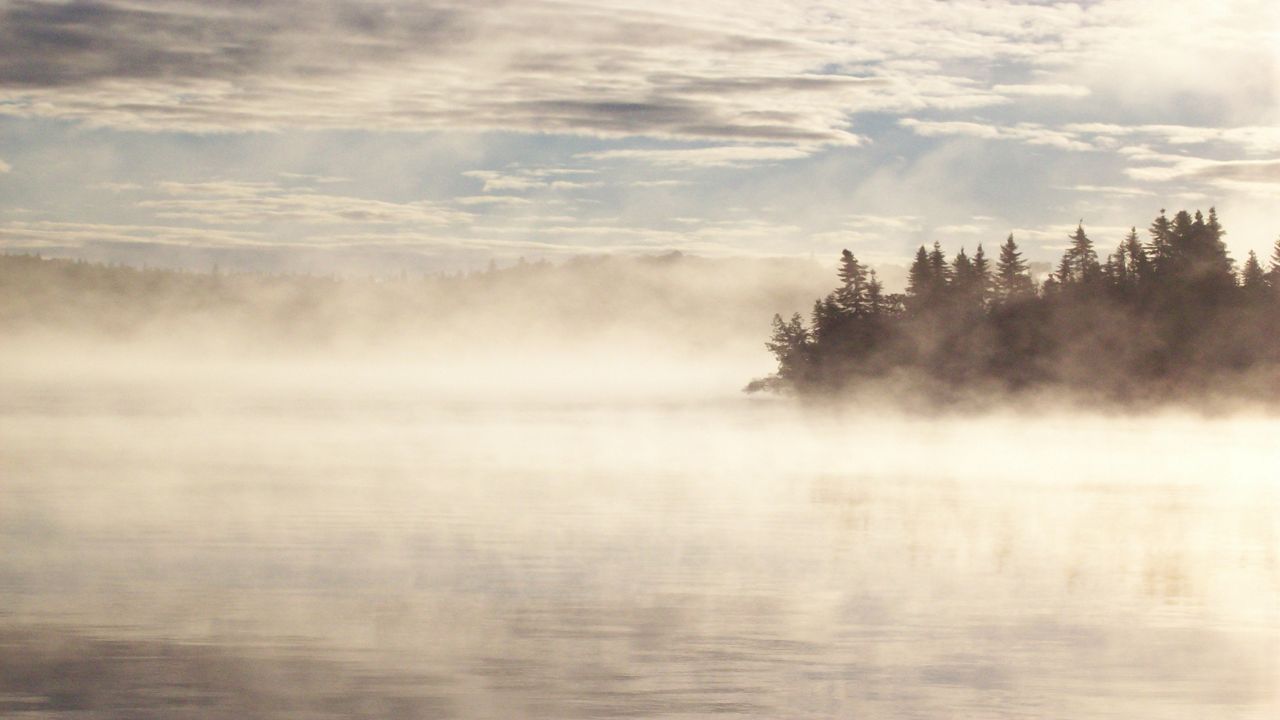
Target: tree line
[(1160, 314)]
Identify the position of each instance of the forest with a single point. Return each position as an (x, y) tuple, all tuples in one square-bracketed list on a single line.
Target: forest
[(1162, 317), (694, 304)]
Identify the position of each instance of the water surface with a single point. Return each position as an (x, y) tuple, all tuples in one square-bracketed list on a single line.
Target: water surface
[(331, 553)]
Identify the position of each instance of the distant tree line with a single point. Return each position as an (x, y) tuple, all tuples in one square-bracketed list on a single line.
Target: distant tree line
[(1168, 313)]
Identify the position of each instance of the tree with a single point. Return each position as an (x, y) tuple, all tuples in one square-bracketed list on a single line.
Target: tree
[(965, 284), (1252, 278), (1139, 265), (940, 273), (1273, 272), (1130, 326), (1012, 278), (876, 302), (1212, 256), (962, 271), (788, 344), (1066, 272), (853, 284), (1080, 260), (1116, 268), (920, 280), (982, 275), (1161, 247), (827, 318)]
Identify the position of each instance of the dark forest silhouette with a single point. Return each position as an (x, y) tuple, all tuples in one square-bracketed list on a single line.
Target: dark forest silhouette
[(1168, 314)]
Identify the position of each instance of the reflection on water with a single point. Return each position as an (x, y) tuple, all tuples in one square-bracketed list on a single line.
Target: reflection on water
[(270, 557)]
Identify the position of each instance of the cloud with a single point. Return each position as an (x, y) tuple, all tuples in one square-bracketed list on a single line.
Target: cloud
[(665, 69), (1030, 133), (1224, 173), (521, 179), (492, 200), (963, 229), (1042, 90), (42, 234), (1112, 190), (722, 156), (254, 203), (1253, 140), (817, 107)]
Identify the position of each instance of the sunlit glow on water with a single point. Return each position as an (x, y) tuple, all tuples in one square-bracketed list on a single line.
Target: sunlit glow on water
[(305, 553)]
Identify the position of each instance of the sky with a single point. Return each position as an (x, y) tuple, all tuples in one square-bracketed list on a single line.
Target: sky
[(438, 135)]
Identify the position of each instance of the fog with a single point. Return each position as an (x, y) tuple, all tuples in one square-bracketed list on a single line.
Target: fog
[(540, 492)]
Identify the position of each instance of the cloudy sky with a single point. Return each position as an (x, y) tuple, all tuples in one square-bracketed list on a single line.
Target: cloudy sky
[(438, 134)]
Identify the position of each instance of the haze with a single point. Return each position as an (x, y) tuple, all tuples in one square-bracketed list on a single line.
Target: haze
[(386, 359)]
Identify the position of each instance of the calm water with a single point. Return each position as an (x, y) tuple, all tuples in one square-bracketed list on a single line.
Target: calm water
[(326, 555)]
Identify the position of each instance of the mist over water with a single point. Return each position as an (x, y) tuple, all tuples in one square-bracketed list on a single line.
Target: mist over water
[(611, 534)]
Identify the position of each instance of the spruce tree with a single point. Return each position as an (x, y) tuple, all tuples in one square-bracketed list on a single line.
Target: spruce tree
[(919, 279), (788, 344), (1065, 274), (1012, 278), (826, 319), (1116, 268), (875, 294), (1215, 251), (1161, 247), (1273, 272), (1139, 265), (853, 284), (1252, 278), (1081, 258), (962, 270), (982, 274), (939, 271)]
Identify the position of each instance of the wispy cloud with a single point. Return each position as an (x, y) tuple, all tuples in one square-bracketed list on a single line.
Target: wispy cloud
[(50, 234), (246, 203), (606, 120), (1030, 133), (1112, 190), (1223, 172), (520, 179), (1042, 90), (722, 156), (712, 70)]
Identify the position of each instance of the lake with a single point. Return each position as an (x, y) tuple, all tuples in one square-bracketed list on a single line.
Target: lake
[(330, 551)]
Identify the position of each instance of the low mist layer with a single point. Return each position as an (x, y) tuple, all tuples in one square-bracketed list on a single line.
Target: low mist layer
[(659, 327)]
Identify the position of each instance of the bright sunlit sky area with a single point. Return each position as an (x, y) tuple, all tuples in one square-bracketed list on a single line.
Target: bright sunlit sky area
[(441, 134)]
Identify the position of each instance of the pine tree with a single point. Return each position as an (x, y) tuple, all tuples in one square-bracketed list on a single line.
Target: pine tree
[(1217, 258), (788, 343), (1012, 278), (964, 282), (1273, 272), (1182, 234), (1116, 268), (853, 284), (939, 271), (1080, 258), (1139, 265), (826, 319), (1252, 278), (962, 270), (1065, 274), (1161, 248), (876, 304), (919, 279), (982, 275)]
